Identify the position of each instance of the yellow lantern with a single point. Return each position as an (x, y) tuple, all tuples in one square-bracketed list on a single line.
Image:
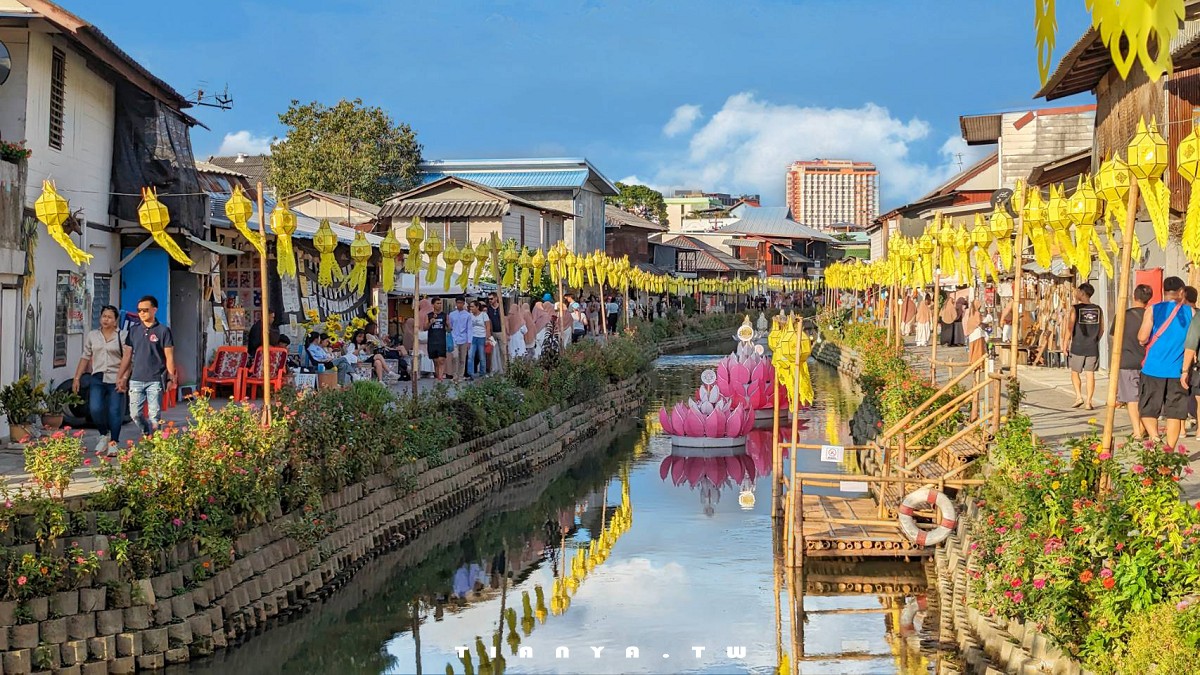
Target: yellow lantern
[(239, 211), (467, 255), (389, 250), (53, 210), (433, 248), (414, 233), (325, 241), (525, 264), (483, 254), (360, 253), (510, 258), (1187, 163), (1001, 228), (538, 262), (451, 256), (283, 223), (554, 256), (1147, 161), (153, 216), (1034, 214)]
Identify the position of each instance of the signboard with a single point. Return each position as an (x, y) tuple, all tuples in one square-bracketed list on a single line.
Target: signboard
[(857, 486), (832, 453), (709, 377)]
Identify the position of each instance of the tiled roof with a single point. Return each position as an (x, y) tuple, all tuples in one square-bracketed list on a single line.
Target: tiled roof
[(406, 204), (356, 203), (772, 221), (254, 167), (711, 259), (617, 217)]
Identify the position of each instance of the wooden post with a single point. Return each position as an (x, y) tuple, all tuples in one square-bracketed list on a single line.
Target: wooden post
[(794, 404), (495, 242), (776, 453), (1114, 361), (603, 309), (418, 320), (1019, 264), (266, 309), (937, 318)]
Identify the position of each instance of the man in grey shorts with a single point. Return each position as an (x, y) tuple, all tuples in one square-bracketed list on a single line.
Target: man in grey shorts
[(1132, 355), (1083, 332)]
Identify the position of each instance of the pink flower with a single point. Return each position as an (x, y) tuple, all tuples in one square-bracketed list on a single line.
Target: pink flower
[(177, 522), (203, 516), (100, 554), (1138, 469), (21, 580), (1147, 444), (1105, 573), (211, 499), (1018, 596), (1015, 583), (1039, 583), (8, 503), (87, 462), (1105, 455), (80, 560)]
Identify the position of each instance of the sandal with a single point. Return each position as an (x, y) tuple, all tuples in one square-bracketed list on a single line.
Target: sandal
[(1077, 404)]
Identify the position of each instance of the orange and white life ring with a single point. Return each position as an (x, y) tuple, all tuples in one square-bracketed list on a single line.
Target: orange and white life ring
[(908, 617), (927, 496)]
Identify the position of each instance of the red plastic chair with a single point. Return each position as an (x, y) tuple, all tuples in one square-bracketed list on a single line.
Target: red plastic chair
[(225, 370), (252, 376)]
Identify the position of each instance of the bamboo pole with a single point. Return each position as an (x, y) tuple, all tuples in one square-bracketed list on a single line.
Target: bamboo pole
[(266, 309), (603, 308), (499, 290), (776, 451), (1019, 257), (937, 318), (1114, 361), (418, 320)]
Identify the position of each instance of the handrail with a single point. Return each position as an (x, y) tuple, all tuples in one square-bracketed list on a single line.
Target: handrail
[(959, 469), (925, 424), (940, 392), (943, 445), (862, 478)]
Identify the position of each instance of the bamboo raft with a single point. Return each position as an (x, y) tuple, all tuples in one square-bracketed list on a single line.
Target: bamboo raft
[(846, 527)]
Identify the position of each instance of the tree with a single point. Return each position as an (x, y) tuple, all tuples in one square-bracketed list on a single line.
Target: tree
[(641, 201), (345, 146)]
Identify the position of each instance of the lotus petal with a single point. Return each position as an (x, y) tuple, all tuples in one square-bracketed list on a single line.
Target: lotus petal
[(678, 470), (751, 469), (695, 470), (714, 425), (714, 394), (693, 404), (664, 418), (665, 468), (737, 470), (720, 470), (706, 408), (693, 424), (739, 375), (759, 373), (733, 425)]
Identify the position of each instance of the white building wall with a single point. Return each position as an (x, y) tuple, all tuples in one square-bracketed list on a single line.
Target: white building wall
[(81, 171)]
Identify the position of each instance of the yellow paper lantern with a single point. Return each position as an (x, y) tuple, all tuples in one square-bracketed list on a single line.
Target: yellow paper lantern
[(433, 248), (451, 256), (539, 261), (1147, 154), (525, 264), (510, 258), (467, 255), (53, 210), (389, 250), (483, 254), (414, 233), (325, 241), (1187, 163), (283, 223), (239, 210), (360, 254), (153, 216)]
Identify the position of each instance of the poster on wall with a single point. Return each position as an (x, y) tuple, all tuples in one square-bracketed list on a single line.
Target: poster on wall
[(76, 302), (290, 289), (237, 318)]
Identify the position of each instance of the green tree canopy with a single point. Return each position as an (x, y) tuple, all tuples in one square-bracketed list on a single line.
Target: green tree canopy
[(641, 201), (347, 145)]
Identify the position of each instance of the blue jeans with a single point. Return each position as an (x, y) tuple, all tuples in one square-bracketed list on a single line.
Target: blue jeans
[(106, 406), (150, 394), (343, 369), (477, 344)]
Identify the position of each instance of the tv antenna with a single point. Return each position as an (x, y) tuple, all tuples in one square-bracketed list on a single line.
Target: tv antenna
[(958, 158), (220, 100)]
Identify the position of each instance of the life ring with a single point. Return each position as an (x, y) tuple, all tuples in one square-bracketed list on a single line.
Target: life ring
[(909, 615), (909, 526)]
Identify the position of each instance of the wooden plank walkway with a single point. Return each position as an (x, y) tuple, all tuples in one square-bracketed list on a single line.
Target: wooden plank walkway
[(826, 539)]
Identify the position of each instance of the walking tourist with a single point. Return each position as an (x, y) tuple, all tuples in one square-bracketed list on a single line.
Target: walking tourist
[(924, 321), (1006, 320), (578, 323), (147, 365), (102, 353), (593, 315), (460, 331), (481, 331), (1133, 353), (946, 318), (436, 325), (1163, 387), (516, 330), (499, 353), (543, 314), (973, 327), (613, 308), (1082, 339), (908, 315)]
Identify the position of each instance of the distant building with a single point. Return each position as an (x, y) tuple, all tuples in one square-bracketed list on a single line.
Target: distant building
[(572, 185), (823, 192), (628, 234), (687, 201), (349, 211), (775, 244), (253, 167)]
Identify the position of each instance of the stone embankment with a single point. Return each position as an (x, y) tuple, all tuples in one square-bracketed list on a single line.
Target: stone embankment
[(116, 626)]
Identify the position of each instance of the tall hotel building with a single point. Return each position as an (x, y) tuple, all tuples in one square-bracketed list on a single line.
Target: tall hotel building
[(825, 193)]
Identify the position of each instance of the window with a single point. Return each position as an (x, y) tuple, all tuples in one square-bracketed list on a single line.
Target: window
[(458, 230), (101, 292), (522, 236), (58, 90)]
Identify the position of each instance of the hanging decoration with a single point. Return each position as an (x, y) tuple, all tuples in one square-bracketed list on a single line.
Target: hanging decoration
[(1000, 226), (525, 264), (414, 233), (1187, 163), (451, 256), (1136, 30), (1084, 209), (1044, 28), (1112, 185), (360, 253), (389, 250), (482, 256), (325, 241), (1034, 215), (982, 237), (509, 257), (53, 210), (539, 261), (153, 216), (283, 223), (1058, 217), (554, 257), (433, 248), (466, 255), (1147, 162), (239, 210)]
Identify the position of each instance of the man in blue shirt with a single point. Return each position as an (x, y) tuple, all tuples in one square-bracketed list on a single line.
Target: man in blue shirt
[(1163, 388), (147, 365), (460, 332)]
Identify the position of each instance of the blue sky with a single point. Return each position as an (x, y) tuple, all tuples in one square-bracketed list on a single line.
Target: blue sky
[(712, 94)]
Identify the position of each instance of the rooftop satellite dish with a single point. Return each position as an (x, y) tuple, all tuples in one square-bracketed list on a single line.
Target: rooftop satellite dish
[(5, 63)]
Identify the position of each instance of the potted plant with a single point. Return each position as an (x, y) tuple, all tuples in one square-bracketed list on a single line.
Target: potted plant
[(19, 402), (14, 152), (54, 405)]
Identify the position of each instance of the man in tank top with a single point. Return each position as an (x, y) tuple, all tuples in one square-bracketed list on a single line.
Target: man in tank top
[(1083, 331)]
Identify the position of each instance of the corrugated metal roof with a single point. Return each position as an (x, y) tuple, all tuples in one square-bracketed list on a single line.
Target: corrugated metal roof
[(980, 129), (772, 221), (710, 259), (510, 180), (618, 217), (503, 199), (452, 208), (306, 227)]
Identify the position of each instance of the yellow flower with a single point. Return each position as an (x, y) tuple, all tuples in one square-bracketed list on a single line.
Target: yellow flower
[(1092, 421), (1083, 485), (1074, 455), (1055, 485)]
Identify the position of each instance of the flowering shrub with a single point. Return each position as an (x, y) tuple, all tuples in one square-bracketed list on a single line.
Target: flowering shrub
[(52, 459), (1057, 548)]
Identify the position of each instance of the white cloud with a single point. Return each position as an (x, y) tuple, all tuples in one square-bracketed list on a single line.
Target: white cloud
[(749, 143), (682, 120), (244, 142)]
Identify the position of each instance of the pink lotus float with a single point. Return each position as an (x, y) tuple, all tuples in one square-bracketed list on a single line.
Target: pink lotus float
[(750, 378), (708, 420), (719, 471)]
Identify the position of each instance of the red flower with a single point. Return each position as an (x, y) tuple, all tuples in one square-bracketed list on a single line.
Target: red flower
[(1078, 529), (1086, 576), (1138, 468), (1109, 582), (1146, 482), (1015, 583)]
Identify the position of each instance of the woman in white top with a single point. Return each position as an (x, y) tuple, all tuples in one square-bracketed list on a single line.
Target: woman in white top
[(516, 333), (102, 354), (481, 330)]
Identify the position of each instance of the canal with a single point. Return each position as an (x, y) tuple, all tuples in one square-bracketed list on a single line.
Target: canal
[(620, 563)]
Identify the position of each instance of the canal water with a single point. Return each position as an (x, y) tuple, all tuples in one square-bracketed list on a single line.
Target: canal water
[(617, 564)]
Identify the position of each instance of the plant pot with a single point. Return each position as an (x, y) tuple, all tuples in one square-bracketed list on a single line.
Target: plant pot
[(52, 421), (19, 432), (327, 380)]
